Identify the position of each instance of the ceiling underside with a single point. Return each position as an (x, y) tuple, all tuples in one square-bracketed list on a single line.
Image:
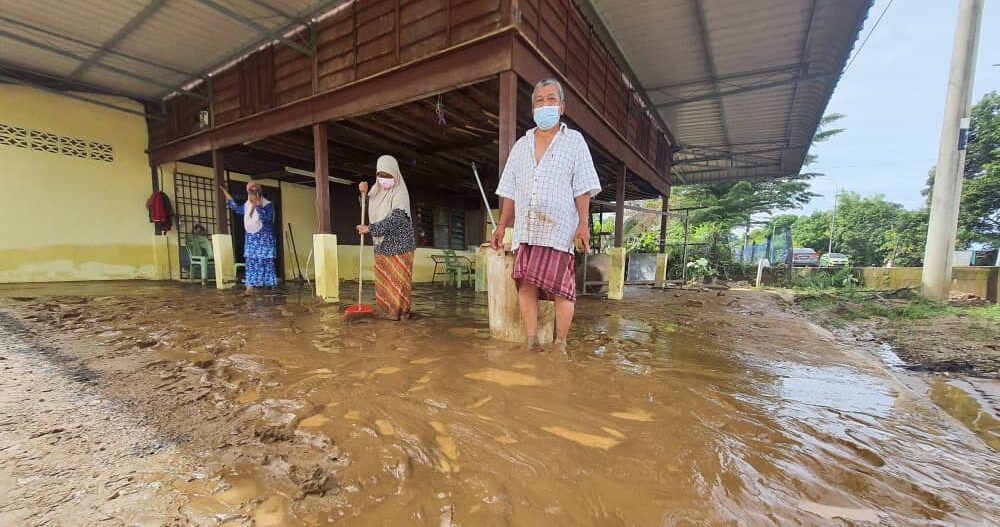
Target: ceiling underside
[(741, 85), (145, 49)]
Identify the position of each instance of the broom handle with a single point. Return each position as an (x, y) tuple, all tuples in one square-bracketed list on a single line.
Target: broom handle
[(361, 256)]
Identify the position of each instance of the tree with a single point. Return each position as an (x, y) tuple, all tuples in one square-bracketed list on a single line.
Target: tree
[(984, 135), (863, 227), (980, 212), (905, 243), (813, 231), (979, 215)]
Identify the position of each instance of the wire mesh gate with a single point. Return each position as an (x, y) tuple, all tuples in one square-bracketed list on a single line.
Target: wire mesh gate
[(194, 198)]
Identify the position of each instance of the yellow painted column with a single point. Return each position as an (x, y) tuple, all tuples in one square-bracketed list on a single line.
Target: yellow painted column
[(161, 257), (481, 280), (225, 274), (327, 268), (616, 274), (661, 270)]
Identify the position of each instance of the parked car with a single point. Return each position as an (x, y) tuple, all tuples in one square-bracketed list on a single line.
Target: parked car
[(804, 256), (834, 260)]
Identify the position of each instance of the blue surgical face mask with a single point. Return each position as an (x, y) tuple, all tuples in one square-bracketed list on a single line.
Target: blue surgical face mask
[(546, 117)]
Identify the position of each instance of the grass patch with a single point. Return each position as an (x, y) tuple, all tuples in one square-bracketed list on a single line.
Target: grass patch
[(852, 304), (855, 304), (987, 313)]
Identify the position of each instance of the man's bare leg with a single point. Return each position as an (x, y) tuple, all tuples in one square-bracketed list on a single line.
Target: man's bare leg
[(564, 318), (527, 299)]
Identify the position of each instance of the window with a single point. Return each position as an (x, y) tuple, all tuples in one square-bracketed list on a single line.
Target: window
[(439, 227)]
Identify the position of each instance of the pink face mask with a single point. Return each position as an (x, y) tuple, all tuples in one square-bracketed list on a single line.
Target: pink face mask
[(386, 183)]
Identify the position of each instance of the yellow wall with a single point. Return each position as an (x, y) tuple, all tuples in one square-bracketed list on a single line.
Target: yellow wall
[(423, 265), (980, 281), (68, 218)]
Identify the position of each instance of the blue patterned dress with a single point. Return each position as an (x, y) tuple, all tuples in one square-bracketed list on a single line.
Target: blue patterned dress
[(258, 248)]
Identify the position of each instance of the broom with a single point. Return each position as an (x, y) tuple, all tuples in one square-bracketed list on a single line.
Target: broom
[(360, 310)]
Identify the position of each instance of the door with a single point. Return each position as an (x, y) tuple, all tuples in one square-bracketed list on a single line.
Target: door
[(238, 189)]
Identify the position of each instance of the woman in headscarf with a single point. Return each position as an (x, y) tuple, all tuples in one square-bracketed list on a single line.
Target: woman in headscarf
[(258, 248), (392, 231)]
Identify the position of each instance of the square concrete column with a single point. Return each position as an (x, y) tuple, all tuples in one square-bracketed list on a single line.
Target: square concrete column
[(161, 257), (225, 272), (661, 270), (481, 270), (616, 274), (327, 269)]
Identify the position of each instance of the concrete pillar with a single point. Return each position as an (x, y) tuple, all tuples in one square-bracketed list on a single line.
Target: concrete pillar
[(221, 207), (481, 279), (661, 270), (504, 311), (225, 273), (616, 274), (327, 268), (943, 225), (161, 257)]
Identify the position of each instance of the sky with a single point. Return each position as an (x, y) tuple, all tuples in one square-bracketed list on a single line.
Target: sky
[(893, 98)]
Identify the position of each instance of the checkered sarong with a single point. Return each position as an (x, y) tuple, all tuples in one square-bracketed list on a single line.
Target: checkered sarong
[(550, 270)]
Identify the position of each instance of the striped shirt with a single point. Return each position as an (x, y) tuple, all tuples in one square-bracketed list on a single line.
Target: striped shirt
[(545, 193)]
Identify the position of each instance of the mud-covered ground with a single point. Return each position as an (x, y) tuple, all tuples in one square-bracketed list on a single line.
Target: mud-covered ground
[(961, 337), (139, 404)]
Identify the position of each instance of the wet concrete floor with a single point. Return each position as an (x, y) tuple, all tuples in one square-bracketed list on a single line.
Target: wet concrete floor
[(663, 412)]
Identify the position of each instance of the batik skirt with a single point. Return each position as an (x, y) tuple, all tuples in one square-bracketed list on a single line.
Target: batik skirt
[(548, 269), (260, 272), (393, 283)]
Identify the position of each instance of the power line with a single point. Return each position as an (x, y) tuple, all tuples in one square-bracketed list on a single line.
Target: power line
[(863, 42)]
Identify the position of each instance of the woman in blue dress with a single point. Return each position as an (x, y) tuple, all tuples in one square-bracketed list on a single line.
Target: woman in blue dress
[(259, 248)]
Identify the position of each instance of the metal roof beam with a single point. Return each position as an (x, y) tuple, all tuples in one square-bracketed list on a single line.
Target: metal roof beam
[(98, 102), (247, 21), (321, 8), (600, 27), (733, 156), (699, 11), (91, 45), (119, 35), (732, 76), (767, 85), (81, 59), (267, 6)]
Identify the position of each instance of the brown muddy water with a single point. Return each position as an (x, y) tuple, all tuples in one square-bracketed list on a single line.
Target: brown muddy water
[(273, 411)]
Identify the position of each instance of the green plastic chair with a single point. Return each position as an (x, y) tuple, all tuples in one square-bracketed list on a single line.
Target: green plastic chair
[(455, 267), (200, 255)]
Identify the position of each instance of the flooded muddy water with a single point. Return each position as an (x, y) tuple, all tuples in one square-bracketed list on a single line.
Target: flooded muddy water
[(735, 413)]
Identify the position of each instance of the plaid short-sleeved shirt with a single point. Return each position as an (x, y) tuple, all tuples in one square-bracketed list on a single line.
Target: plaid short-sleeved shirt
[(544, 194)]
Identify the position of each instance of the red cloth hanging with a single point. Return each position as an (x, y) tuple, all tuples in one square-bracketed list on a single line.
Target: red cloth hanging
[(158, 206)]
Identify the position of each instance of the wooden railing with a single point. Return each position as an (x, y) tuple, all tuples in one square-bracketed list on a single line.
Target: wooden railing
[(561, 33)]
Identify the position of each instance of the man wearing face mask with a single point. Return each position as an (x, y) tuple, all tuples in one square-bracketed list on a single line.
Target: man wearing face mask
[(545, 190)]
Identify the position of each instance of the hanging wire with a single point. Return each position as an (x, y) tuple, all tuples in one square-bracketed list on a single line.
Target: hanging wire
[(863, 42)]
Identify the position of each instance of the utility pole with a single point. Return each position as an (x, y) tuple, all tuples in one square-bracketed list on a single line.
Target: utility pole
[(943, 227)]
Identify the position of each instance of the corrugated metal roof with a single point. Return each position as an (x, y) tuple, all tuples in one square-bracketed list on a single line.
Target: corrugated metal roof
[(145, 49), (740, 84)]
